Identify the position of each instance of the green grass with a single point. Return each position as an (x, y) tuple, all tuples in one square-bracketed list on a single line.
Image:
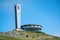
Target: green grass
[(31, 36), (7, 38)]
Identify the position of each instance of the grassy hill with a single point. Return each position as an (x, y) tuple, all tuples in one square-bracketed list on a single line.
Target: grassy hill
[(26, 35)]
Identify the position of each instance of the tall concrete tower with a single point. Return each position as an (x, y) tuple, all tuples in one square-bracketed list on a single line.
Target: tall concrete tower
[(18, 16)]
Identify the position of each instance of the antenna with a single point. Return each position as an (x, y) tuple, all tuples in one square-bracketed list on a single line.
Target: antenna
[(18, 16)]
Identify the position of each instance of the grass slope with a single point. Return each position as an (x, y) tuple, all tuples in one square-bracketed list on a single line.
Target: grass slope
[(26, 35)]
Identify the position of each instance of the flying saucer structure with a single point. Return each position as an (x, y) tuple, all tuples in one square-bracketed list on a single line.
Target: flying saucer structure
[(31, 27)]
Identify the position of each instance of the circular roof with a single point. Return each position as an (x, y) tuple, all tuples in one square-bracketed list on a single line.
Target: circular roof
[(31, 26)]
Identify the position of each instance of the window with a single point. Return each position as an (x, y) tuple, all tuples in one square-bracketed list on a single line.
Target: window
[(18, 7), (29, 25)]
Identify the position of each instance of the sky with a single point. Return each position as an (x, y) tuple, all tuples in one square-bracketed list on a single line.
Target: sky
[(42, 12)]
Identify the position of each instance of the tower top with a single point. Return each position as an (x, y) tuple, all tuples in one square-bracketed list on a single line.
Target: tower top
[(18, 5)]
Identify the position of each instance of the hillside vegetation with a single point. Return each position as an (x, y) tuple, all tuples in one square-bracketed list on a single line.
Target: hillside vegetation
[(26, 35)]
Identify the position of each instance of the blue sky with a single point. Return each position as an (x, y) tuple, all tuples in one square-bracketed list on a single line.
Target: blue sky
[(42, 12)]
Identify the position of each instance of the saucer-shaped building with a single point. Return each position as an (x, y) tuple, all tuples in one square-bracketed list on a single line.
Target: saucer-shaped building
[(32, 27)]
